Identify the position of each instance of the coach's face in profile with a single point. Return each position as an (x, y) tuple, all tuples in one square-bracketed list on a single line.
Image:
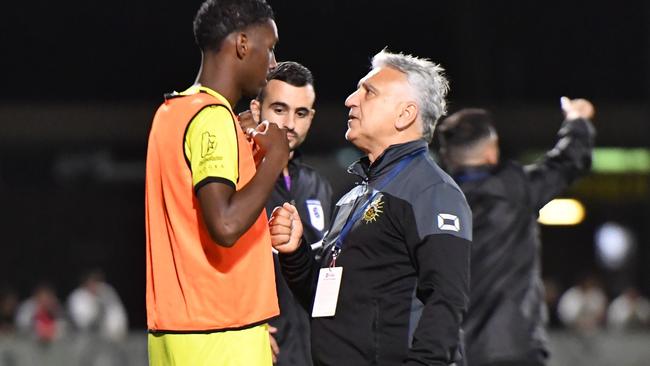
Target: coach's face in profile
[(381, 108)]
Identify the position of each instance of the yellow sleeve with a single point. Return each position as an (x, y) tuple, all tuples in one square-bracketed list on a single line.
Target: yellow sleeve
[(211, 147)]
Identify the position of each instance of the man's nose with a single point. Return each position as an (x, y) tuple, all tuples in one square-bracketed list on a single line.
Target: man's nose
[(272, 62), (290, 122), (351, 100)]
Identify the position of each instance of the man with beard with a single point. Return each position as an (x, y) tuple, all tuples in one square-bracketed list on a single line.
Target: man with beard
[(288, 100)]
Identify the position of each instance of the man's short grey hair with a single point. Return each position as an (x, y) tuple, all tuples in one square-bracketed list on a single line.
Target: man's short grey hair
[(428, 82)]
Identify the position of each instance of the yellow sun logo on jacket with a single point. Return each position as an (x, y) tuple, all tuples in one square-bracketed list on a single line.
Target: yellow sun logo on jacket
[(373, 210)]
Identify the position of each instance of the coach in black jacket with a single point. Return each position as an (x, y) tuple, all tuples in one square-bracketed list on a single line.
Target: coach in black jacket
[(402, 236), (505, 321)]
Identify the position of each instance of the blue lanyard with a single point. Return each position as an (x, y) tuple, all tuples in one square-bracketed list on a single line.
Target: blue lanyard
[(358, 212)]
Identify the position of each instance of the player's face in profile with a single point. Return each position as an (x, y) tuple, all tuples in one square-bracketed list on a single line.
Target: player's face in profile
[(261, 55), (290, 107), (375, 106)]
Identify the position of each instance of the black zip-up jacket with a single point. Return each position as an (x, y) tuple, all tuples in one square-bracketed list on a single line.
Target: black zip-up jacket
[(506, 316), (310, 193), (411, 244), (312, 196)]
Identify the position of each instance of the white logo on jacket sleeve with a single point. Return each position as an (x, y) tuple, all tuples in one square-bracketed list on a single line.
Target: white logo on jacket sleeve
[(316, 215), (448, 222)]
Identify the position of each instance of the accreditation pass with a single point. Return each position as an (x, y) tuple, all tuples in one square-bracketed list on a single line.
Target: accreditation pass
[(327, 292)]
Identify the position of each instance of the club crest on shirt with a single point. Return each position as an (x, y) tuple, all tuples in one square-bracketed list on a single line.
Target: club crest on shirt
[(208, 144), (316, 215), (373, 210)]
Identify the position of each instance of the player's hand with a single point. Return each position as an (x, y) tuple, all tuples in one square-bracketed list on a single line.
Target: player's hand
[(248, 124), (286, 228), (272, 141), (246, 120), (275, 349), (577, 108)]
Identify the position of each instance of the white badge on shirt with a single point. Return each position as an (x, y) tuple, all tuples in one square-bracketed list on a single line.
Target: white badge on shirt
[(316, 215), (327, 292)]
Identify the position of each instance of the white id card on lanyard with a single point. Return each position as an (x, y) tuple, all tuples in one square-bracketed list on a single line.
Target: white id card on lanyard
[(327, 292)]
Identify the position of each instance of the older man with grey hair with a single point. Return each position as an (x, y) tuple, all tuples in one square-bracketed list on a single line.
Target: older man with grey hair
[(400, 240)]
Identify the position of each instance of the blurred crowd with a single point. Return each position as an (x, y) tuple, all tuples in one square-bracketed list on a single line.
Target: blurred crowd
[(587, 308), (94, 308)]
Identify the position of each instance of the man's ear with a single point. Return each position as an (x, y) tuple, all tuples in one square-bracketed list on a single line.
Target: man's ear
[(492, 152), (241, 44), (255, 109), (407, 116)]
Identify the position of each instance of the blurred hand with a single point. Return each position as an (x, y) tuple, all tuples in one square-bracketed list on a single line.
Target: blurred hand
[(275, 349), (286, 228), (272, 141), (577, 108), (246, 120), (248, 124)]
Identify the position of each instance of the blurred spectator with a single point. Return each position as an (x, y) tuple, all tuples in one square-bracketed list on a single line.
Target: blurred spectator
[(95, 307), (629, 311), (41, 316), (8, 305), (551, 298), (582, 307)]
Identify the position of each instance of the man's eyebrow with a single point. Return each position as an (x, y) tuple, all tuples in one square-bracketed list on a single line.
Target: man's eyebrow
[(279, 104), (368, 86)]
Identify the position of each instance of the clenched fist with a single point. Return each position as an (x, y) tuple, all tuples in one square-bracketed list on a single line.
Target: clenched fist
[(286, 228)]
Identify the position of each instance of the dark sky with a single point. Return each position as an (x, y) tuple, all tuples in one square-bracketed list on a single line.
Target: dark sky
[(492, 50)]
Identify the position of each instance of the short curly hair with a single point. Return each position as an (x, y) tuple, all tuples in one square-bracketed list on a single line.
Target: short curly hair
[(216, 19), (291, 73)]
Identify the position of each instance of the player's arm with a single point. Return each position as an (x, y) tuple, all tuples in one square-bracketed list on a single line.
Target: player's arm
[(569, 158), (211, 144)]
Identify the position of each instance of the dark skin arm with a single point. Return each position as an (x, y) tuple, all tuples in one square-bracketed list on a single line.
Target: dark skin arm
[(228, 213)]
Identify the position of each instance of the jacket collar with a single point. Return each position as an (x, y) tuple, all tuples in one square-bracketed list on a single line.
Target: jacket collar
[(473, 174), (294, 163), (385, 162), (481, 180), (296, 158)]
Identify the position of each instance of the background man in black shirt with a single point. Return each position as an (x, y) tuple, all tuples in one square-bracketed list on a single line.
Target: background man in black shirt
[(288, 100), (505, 321)]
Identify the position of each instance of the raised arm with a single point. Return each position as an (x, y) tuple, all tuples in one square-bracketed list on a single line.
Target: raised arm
[(569, 158), (213, 153)]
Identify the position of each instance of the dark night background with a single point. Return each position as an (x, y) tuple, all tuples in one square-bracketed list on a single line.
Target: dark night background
[(80, 82)]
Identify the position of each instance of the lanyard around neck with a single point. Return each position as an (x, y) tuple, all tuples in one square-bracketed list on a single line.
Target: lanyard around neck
[(336, 249)]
